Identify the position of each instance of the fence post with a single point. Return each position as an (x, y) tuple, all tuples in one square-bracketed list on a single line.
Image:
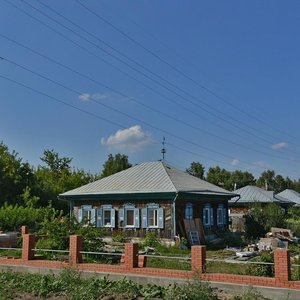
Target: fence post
[(28, 246), (282, 264), (24, 230), (131, 255), (198, 258), (76, 246)]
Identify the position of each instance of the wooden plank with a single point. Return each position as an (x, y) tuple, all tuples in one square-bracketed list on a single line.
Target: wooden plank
[(200, 228)]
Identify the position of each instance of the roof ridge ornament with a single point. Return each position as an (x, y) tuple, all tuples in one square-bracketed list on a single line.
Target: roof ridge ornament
[(163, 150)]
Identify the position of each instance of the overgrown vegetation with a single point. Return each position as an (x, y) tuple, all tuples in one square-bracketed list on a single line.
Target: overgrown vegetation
[(69, 285), (260, 219), (266, 270)]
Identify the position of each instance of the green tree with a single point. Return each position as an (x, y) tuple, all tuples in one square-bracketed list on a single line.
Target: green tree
[(14, 175), (55, 163), (115, 164), (196, 169), (57, 177), (261, 218), (240, 179), (220, 177), (266, 178)]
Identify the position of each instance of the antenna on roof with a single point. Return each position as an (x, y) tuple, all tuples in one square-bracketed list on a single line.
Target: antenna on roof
[(163, 150)]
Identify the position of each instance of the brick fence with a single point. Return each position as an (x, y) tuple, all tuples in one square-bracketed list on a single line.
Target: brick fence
[(132, 263)]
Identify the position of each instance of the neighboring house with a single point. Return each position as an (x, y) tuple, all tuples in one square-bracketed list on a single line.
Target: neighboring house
[(290, 195), (152, 196), (249, 195)]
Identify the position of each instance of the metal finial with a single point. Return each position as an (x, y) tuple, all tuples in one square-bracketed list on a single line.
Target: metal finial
[(163, 150)]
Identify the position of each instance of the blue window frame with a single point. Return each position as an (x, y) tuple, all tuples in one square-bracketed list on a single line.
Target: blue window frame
[(188, 212), (208, 215), (221, 215)]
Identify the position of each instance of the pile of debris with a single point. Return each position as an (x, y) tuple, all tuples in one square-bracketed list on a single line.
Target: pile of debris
[(277, 238)]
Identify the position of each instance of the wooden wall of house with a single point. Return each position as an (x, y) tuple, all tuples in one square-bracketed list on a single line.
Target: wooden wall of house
[(166, 232), (198, 205)]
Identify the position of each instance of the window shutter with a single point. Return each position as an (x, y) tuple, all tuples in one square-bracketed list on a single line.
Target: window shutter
[(137, 218), (93, 217), (224, 216), (99, 221), (204, 216), (211, 216), (144, 218), (121, 217), (113, 218), (80, 214), (160, 214)]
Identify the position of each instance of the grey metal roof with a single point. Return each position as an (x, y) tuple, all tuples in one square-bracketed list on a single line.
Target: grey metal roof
[(149, 177), (252, 194), (290, 195)]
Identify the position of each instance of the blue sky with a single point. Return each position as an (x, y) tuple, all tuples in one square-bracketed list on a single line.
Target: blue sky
[(218, 79)]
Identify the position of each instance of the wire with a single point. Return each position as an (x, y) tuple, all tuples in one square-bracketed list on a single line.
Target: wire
[(157, 82), (97, 116), (208, 90), (157, 111)]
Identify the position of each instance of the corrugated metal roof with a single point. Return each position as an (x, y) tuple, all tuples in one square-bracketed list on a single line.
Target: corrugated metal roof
[(290, 195), (149, 177), (251, 194)]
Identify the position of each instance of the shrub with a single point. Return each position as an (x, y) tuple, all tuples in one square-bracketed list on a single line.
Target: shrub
[(260, 269), (151, 239), (250, 294)]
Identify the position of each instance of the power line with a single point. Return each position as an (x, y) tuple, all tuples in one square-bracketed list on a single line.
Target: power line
[(157, 111), (101, 118), (208, 90), (125, 73)]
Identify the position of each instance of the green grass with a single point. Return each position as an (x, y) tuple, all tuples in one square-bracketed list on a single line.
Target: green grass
[(168, 263), (10, 253), (226, 268)]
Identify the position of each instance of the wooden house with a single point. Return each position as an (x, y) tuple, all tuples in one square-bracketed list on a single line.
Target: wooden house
[(152, 196)]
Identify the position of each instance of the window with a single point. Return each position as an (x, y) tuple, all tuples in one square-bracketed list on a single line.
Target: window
[(86, 214), (106, 216), (208, 215), (221, 215), (189, 211), (129, 216), (153, 216)]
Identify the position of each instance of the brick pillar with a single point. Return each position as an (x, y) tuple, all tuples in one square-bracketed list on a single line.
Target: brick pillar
[(24, 230), (198, 258), (131, 255), (76, 245), (28, 246), (282, 265)]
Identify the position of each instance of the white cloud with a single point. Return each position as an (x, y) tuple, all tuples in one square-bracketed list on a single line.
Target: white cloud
[(85, 97), (279, 145), (88, 97), (131, 139), (234, 162), (261, 165)]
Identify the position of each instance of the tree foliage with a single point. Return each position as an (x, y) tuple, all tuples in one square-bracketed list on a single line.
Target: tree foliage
[(115, 164), (220, 177), (196, 169), (261, 218)]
